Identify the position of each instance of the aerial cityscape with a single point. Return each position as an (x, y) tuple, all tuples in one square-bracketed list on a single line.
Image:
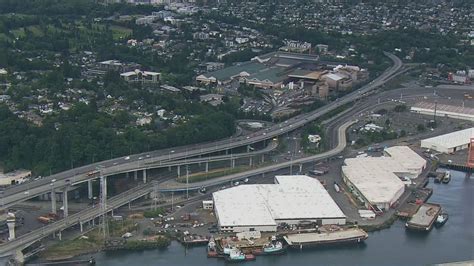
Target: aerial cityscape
[(208, 132)]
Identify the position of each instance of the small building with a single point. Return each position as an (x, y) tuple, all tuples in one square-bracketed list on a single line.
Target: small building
[(141, 76), (171, 89), (292, 200), (451, 142), (212, 99), (14, 177), (207, 204)]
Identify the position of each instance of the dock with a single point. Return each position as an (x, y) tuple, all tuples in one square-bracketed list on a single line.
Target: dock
[(416, 199), (424, 218), (352, 235)]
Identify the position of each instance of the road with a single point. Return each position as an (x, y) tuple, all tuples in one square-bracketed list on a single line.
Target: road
[(172, 185), (25, 191), (80, 217)]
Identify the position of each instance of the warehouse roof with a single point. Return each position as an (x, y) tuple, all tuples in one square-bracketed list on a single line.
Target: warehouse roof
[(375, 177), (454, 139), (293, 197)]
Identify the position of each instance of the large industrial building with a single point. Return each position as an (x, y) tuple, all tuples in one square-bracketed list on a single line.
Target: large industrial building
[(450, 143), (377, 181), (292, 200), (444, 110)]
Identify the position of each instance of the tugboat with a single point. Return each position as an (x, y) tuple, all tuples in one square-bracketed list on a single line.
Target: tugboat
[(441, 219), (235, 255), (211, 248), (273, 248), (447, 177)]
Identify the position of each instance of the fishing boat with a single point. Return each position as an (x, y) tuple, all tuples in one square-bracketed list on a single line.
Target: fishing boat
[(441, 219), (446, 177), (274, 247), (235, 255), (211, 248)]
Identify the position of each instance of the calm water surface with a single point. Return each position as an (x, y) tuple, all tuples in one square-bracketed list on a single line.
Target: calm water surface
[(452, 242)]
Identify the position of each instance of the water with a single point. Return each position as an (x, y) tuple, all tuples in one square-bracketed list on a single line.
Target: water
[(452, 242)]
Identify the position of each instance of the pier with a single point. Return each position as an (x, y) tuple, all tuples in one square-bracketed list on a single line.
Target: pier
[(355, 235)]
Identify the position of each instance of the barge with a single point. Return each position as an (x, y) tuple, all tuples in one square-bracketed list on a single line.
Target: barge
[(424, 218), (344, 236)]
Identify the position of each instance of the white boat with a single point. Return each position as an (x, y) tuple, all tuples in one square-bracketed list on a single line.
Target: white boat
[(447, 177), (336, 187)]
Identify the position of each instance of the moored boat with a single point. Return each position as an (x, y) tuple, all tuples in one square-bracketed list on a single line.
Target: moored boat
[(274, 247), (211, 248), (235, 255), (446, 177), (441, 219)]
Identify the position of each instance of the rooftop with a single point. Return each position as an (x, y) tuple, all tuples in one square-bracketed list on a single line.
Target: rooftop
[(375, 177), (454, 139), (292, 197)]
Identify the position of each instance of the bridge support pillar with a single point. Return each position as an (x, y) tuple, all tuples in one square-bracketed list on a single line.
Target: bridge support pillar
[(127, 175), (81, 226), (93, 222), (53, 201), (207, 167), (11, 227), (65, 203), (263, 158), (89, 189), (60, 235), (301, 168), (135, 175), (250, 161), (178, 169), (129, 205), (144, 176), (232, 162), (248, 148)]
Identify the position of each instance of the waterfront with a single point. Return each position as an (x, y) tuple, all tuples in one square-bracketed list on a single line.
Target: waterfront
[(394, 246)]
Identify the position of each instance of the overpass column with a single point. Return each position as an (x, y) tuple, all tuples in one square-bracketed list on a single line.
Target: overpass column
[(60, 235), (144, 175), (53, 200), (248, 148), (250, 161), (263, 158), (207, 167), (82, 226), (65, 203), (127, 175), (232, 162), (89, 189), (301, 167), (178, 169), (135, 175), (11, 226)]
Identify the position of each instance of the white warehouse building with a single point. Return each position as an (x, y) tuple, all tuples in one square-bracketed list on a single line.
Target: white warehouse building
[(451, 142), (377, 181), (293, 199)]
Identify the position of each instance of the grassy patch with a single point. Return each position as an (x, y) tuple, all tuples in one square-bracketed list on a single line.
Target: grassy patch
[(71, 248), (213, 174), (119, 32)]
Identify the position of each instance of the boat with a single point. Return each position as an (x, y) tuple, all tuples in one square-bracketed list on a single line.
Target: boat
[(274, 247), (441, 219), (336, 187), (446, 177), (211, 248), (424, 218), (235, 255)]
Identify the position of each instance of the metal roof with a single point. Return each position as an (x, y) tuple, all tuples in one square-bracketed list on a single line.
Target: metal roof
[(293, 197), (451, 140)]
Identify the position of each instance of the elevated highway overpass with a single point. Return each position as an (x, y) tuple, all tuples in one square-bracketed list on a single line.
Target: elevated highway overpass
[(22, 192)]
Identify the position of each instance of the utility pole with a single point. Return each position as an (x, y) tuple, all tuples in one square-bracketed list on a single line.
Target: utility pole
[(187, 182), (103, 202)]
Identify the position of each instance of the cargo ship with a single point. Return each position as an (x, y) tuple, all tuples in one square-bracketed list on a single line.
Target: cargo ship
[(424, 218), (343, 236)]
